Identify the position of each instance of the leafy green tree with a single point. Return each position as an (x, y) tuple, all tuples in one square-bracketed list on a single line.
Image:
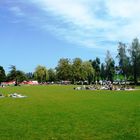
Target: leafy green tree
[(110, 67), (13, 72), (2, 75), (88, 71), (103, 72), (96, 66), (41, 74), (52, 75), (124, 63), (135, 59), (16, 75), (63, 69), (77, 70), (20, 76)]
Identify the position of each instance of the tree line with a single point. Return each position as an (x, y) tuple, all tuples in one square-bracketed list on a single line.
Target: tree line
[(128, 68)]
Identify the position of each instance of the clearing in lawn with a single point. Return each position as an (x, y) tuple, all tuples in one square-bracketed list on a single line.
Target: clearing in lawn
[(61, 113)]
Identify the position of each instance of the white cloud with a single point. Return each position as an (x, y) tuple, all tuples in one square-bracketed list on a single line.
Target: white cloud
[(87, 22), (124, 8), (78, 15), (69, 10)]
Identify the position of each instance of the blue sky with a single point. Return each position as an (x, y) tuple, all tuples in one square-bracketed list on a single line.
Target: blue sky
[(41, 32)]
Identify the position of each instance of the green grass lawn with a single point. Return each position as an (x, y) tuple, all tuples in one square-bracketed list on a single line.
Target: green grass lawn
[(61, 113)]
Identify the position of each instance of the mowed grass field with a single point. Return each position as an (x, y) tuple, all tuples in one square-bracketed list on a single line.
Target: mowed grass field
[(61, 113)]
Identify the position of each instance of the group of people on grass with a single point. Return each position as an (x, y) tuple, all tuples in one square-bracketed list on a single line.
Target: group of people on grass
[(106, 86)]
